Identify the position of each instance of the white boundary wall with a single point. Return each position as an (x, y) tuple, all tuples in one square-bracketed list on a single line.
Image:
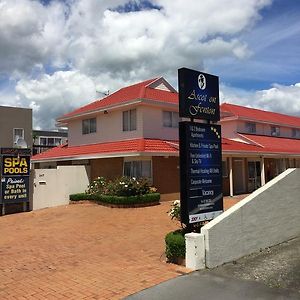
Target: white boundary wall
[(269, 216), (52, 187)]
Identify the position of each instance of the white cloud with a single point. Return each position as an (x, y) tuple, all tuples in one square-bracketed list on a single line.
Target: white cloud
[(110, 49), (54, 95), (279, 98)]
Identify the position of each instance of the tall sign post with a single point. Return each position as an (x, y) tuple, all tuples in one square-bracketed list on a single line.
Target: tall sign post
[(15, 171), (200, 147)]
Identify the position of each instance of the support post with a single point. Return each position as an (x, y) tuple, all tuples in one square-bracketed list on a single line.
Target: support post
[(262, 171), (230, 177)]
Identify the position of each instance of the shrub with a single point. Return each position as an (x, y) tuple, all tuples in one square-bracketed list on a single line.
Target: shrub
[(97, 186), (119, 200), (80, 196), (175, 245), (123, 186)]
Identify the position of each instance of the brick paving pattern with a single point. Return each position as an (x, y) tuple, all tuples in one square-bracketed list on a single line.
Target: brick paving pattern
[(84, 251)]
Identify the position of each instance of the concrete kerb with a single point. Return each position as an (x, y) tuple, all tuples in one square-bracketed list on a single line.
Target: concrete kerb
[(245, 228)]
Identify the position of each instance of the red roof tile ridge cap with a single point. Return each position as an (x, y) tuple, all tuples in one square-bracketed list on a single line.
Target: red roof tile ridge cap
[(252, 141)]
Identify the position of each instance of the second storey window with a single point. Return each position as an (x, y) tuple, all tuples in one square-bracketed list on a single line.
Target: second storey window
[(170, 119), (275, 131), (129, 120), (18, 134), (250, 127), (89, 126), (295, 133)]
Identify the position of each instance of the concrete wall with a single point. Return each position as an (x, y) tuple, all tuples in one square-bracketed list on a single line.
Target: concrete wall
[(52, 187), (265, 218), (15, 117)]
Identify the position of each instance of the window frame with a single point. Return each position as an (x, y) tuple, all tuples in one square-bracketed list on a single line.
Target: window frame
[(133, 168), (90, 127), (129, 120), (14, 134), (250, 127), (174, 119), (275, 132)]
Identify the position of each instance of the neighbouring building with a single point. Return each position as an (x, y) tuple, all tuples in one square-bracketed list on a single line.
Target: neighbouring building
[(15, 126), (45, 139), (134, 132)]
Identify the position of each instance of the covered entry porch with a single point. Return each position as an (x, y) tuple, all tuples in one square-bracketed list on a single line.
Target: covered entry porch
[(243, 174)]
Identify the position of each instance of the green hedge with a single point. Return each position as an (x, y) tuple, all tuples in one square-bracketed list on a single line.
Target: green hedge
[(122, 200), (175, 245)]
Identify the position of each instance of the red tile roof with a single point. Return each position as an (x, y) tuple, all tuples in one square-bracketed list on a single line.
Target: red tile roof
[(134, 92), (260, 115), (152, 146), (271, 144), (110, 148)]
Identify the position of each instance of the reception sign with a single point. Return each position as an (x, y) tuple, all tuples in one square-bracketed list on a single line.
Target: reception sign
[(198, 95), (200, 171), (15, 169)]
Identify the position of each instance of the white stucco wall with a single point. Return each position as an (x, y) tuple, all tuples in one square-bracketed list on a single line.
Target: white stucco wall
[(265, 218), (109, 128), (153, 124), (52, 187)]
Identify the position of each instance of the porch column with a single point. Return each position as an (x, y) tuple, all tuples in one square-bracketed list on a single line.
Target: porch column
[(262, 171), (230, 177), (283, 164)]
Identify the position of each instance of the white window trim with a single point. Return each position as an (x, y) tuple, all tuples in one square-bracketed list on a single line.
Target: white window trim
[(145, 158), (172, 117), (129, 120), (14, 136)]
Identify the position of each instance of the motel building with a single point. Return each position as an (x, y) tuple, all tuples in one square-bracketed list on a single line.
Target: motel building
[(134, 132)]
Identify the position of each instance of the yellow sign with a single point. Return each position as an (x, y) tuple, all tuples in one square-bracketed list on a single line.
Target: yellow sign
[(15, 165)]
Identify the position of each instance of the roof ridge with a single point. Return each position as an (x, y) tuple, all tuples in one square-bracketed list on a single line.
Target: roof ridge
[(259, 109)]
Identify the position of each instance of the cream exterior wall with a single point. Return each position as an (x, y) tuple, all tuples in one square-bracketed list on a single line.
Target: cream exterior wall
[(52, 187), (109, 128), (153, 124)]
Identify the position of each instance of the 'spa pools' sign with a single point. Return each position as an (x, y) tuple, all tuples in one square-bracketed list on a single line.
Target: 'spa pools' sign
[(198, 95), (15, 165)]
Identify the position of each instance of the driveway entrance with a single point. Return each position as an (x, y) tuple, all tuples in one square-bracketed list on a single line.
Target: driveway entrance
[(84, 251)]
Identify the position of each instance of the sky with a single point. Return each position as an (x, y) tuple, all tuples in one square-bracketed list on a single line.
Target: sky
[(58, 55)]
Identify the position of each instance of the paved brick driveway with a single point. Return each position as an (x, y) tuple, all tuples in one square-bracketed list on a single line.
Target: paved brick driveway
[(83, 251)]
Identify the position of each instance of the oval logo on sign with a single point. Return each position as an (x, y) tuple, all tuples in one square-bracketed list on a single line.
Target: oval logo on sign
[(202, 82)]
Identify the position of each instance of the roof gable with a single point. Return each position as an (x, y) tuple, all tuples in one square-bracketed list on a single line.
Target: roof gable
[(259, 115), (157, 89)]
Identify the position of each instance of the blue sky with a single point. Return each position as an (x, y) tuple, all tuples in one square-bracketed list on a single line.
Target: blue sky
[(55, 54)]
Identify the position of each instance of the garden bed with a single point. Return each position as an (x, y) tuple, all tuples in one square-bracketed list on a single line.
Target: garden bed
[(119, 201)]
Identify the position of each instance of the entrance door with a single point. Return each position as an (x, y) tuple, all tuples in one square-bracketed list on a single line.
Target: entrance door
[(238, 176)]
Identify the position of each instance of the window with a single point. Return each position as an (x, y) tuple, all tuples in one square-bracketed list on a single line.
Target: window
[(129, 120), (170, 119), (224, 169), (250, 127), (295, 133), (275, 131), (89, 126), (138, 169), (18, 133)]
